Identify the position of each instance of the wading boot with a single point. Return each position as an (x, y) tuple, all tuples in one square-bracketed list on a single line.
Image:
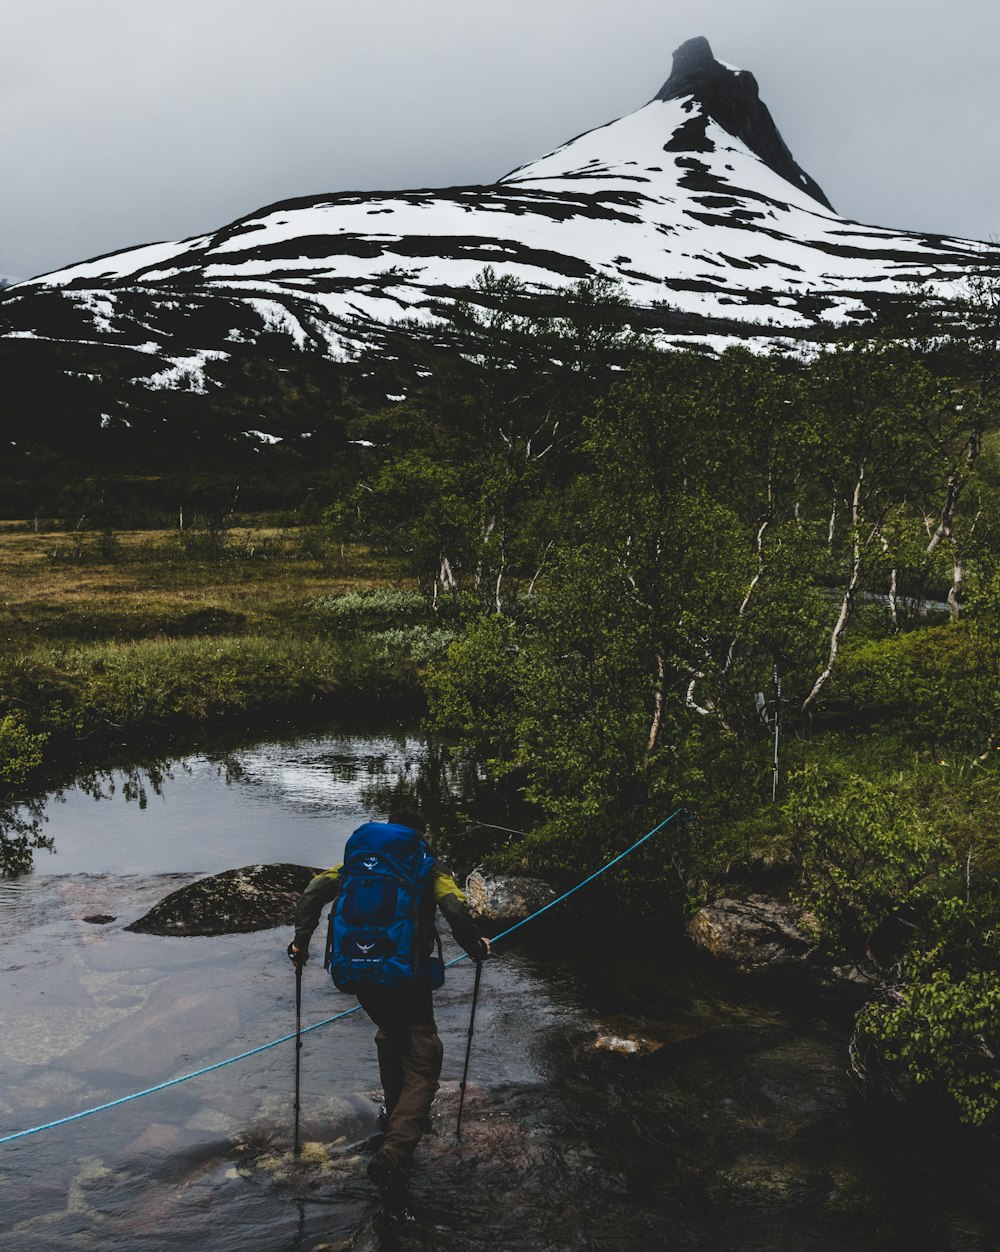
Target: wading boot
[(390, 1181)]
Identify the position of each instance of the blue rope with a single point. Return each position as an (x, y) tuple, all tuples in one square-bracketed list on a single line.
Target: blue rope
[(264, 1047), (172, 1082)]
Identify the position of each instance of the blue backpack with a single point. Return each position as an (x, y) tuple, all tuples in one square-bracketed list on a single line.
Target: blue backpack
[(374, 933)]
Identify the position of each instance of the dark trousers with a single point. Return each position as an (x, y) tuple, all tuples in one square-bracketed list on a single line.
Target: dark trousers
[(409, 1061)]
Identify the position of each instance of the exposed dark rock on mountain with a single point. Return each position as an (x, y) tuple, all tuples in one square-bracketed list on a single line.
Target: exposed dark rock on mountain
[(693, 205), (732, 98)]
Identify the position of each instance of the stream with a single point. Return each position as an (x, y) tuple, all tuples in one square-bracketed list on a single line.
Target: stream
[(732, 1126)]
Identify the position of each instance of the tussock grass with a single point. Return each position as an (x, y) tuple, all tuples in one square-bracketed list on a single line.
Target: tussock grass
[(166, 632), (157, 586)]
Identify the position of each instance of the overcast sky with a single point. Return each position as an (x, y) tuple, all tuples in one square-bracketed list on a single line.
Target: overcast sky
[(128, 121)]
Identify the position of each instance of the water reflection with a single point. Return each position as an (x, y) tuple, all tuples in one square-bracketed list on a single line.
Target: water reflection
[(296, 799), (738, 1128), (215, 810)]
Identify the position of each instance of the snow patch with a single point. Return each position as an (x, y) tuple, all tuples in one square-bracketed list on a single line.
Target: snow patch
[(186, 374)]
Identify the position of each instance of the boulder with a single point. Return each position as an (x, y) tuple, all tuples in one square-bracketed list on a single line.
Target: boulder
[(501, 898), (624, 1041), (256, 897), (755, 934)]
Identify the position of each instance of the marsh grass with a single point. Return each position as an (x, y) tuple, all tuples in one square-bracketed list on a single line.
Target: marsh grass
[(158, 583), (164, 630)]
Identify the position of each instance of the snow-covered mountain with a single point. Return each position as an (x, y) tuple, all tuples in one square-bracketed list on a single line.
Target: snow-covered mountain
[(693, 204)]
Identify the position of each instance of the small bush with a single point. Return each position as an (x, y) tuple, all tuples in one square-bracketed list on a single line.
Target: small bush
[(20, 824), (868, 855), (376, 609), (935, 684), (380, 601), (939, 1017)]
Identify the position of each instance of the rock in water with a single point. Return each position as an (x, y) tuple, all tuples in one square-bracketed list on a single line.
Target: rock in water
[(497, 897), (756, 933), (255, 897)]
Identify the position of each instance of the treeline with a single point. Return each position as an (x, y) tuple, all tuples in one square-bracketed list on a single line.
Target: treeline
[(764, 587), (262, 425), (760, 586)]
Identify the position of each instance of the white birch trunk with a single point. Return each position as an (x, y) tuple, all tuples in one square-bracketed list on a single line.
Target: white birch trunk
[(848, 599), (957, 582), (689, 700), (750, 590), (541, 566), (893, 584), (654, 729)]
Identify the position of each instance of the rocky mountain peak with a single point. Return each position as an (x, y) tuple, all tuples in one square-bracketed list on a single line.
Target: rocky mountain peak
[(732, 98), (696, 68)]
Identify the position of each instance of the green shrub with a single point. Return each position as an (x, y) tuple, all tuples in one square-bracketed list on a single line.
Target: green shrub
[(936, 684), (939, 1018), (20, 823), (867, 854), (380, 604), (390, 664)]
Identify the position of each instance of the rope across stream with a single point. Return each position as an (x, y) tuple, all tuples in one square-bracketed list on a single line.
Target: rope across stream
[(265, 1047)]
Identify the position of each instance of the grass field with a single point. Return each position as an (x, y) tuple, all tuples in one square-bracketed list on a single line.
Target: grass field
[(61, 587), (144, 631)]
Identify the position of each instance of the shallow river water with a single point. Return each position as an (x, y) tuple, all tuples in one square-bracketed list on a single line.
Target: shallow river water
[(736, 1129)]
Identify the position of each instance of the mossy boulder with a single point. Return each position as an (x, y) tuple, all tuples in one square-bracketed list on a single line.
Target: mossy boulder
[(503, 898), (755, 934), (256, 897)]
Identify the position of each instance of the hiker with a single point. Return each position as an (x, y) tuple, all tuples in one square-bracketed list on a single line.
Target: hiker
[(395, 996)]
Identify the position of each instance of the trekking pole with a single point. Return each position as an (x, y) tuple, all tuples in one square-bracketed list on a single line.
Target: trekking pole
[(777, 730), (298, 1046), (468, 1048)]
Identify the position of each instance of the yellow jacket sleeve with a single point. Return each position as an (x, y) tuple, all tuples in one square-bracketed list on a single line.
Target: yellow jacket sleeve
[(323, 888)]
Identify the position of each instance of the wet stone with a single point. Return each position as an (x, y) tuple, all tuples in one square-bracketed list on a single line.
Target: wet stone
[(99, 919), (256, 897), (624, 1037), (502, 898), (755, 934)]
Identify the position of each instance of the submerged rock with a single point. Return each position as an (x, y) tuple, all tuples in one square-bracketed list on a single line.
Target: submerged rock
[(631, 1044), (756, 933), (256, 897), (499, 897)]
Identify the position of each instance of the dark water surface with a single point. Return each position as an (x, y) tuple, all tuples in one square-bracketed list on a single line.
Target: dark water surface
[(735, 1128)]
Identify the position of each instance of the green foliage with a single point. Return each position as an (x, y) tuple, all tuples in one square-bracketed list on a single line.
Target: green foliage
[(471, 692), (20, 823), (380, 604), (867, 854), (389, 664), (74, 693), (20, 751), (937, 684), (940, 1019)]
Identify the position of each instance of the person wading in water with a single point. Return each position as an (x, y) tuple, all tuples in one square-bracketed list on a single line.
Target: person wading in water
[(381, 949)]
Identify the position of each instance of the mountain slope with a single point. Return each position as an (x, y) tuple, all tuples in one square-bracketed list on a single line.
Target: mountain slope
[(692, 203)]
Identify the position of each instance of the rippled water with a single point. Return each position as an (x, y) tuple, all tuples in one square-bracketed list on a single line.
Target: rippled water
[(735, 1128)]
